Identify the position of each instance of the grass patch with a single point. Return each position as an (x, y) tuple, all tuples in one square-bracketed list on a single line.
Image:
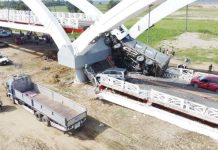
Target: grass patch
[(199, 55), (168, 29), (102, 7), (73, 36), (59, 9)]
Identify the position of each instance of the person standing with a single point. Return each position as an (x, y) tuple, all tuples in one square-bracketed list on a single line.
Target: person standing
[(210, 68)]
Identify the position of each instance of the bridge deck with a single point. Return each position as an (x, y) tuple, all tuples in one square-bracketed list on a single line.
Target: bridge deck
[(177, 88)]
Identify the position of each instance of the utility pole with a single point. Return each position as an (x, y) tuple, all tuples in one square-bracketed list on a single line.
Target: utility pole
[(8, 11), (149, 20), (186, 19)]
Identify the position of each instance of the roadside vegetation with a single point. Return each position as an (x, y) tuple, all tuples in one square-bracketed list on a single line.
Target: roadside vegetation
[(168, 29), (199, 55)]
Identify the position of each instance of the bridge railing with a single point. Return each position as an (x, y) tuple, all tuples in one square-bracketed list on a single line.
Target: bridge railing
[(74, 20), (186, 106)]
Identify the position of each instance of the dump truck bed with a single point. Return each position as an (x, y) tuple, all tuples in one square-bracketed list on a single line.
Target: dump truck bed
[(64, 111)]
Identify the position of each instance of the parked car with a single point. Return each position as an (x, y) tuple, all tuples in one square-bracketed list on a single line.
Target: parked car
[(3, 44), (4, 33), (206, 82), (4, 60)]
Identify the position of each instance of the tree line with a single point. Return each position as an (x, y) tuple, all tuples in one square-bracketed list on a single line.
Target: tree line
[(19, 5)]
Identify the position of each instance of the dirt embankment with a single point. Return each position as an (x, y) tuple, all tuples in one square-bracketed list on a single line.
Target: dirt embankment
[(108, 127)]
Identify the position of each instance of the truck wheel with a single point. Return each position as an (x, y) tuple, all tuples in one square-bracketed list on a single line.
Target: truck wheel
[(117, 46), (46, 121), (38, 116), (20, 102), (140, 58)]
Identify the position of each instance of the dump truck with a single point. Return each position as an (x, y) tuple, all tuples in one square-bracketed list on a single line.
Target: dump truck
[(48, 106), (136, 56)]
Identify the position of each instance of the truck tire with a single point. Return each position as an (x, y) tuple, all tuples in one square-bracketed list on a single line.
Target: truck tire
[(20, 102), (140, 58), (38, 116), (117, 46), (46, 121)]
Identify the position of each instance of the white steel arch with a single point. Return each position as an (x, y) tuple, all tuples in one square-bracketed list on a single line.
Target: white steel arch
[(52, 26), (111, 19), (158, 14), (86, 7)]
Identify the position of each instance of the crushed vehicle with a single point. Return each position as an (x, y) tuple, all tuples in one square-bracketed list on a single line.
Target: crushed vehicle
[(4, 60), (95, 71), (48, 106), (118, 73), (136, 56)]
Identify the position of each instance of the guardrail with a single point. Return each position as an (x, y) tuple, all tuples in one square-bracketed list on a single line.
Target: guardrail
[(123, 86), (179, 104)]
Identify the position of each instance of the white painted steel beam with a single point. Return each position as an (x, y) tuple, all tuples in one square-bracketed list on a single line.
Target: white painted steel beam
[(113, 18), (160, 114), (52, 26), (24, 27), (158, 14)]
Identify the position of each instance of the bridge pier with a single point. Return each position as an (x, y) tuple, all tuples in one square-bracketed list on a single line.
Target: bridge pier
[(80, 77)]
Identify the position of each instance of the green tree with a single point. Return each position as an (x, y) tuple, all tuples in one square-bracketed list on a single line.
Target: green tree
[(21, 6), (72, 8)]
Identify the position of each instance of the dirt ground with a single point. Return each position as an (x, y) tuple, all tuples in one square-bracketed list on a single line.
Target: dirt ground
[(108, 127), (190, 40), (194, 40)]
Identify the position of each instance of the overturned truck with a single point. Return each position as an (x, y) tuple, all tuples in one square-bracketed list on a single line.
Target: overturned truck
[(136, 56)]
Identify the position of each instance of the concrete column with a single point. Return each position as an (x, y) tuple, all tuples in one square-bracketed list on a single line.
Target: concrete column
[(80, 77)]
